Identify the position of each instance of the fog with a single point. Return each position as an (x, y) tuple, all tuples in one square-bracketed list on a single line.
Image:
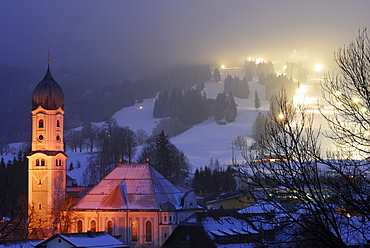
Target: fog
[(132, 38)]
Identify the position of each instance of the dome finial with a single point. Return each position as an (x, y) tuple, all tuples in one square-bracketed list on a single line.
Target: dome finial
[(48, 56)]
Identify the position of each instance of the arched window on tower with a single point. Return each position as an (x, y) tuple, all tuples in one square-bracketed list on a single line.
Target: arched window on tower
[(41, 123), (93, 226), (58, 123), (134, 230), (148, 231), (42, 162), (58, 162), (37, 162), (79, 226), (110, 227)]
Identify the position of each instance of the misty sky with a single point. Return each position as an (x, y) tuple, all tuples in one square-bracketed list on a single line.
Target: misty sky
[(132, 37)]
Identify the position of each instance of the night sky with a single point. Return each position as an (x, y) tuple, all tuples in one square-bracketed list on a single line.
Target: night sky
[(131, 38)]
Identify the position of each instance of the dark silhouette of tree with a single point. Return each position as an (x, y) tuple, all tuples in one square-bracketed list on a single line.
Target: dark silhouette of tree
[(210, 180), (257, 102), (13, 188), (236, 87), (141, 136), (216, 75), (89, 132), (221, 105), (249, 69), (258, 127), (165, 158), (349, 94), (231, 111)]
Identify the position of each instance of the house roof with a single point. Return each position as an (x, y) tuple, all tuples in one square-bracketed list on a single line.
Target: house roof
[(131, 187), (224, 228), (88, 239)]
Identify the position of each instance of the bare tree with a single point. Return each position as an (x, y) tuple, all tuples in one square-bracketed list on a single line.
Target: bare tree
[(141, 136), (349, 94), (308, 191)]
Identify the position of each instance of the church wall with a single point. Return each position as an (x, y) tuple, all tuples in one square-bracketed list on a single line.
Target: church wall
[(122, 225)]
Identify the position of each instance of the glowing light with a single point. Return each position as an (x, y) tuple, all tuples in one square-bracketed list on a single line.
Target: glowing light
[(301, 91), (141, 107), (338, 93), (223, 66), (318, 67), (284, 67), (281, 116), (363, 109), (260, 60), (366, 133), (356, 100)]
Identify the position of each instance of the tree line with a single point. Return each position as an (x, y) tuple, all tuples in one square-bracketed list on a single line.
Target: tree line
[(252, 69), (236, 87), (191, 107), (213, 180)]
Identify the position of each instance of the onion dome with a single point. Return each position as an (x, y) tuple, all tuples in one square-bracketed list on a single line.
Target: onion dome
[(48, 94)]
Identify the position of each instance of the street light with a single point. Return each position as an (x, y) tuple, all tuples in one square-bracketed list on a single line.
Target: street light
[(317, 68)]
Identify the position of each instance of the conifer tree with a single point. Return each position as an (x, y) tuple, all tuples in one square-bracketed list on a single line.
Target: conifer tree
[(217, 75), (257, 102), (165, 158)]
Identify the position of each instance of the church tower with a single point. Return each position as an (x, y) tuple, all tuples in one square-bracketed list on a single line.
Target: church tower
[(47, 160)]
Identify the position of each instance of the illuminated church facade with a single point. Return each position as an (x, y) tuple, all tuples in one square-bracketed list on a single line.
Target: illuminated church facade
[(133, 202)]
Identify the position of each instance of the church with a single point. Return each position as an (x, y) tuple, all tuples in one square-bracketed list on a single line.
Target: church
[(133, 202)]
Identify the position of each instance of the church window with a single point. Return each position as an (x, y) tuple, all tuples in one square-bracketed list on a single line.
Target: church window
[(79, 226), (165, 218), (42, 162), (41, 123), (110, 227), (170, 218), (134, 230), (93, 226), (40, 183), (37, 162), (58, 123), (58, 162), (40, 206), (148, 231)]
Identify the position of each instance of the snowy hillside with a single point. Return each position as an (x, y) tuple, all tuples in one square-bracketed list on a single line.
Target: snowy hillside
[(203, 141)]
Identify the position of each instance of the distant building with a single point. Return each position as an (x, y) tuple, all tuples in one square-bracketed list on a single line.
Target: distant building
[(232, 201)]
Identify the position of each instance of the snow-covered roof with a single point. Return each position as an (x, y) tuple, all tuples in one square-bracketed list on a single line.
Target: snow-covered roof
[(226, 226), (89, 239), (130, 187), (259, 208)]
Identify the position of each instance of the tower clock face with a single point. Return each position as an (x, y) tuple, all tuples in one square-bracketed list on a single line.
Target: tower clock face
[(40, 138)]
